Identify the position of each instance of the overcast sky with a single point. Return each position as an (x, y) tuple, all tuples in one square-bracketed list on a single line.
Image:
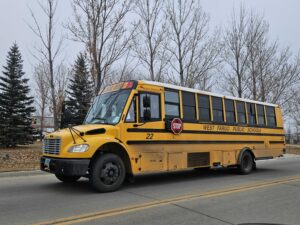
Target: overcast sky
[(283, 16)]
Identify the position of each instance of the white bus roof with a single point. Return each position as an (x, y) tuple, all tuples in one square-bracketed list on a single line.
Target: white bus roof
[(171, 86)]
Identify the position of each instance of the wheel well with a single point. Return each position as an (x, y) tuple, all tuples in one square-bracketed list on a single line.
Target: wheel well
[(117, 149), (242, 152)]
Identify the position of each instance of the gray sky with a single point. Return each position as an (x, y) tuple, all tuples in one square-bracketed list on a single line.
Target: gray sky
[(283, 16)]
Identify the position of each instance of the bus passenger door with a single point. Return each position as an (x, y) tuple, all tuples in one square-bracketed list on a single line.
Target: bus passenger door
[(143, 119)]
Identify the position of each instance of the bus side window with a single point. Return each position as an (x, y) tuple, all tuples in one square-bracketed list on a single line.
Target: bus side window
[(261, 115), (189, 106), (241, 112), (131, 114), (204, 108), (251, 114), (217, 106), (154, 107), (271, 117), (230, 112), (172, 107)]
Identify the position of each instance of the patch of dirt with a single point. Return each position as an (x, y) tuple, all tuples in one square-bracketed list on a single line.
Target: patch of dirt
[(21, 158)]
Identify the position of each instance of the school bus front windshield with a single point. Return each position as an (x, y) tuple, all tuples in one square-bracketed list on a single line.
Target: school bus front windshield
[(107, 108)]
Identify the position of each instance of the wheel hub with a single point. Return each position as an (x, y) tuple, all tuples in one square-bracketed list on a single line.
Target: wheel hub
[(247, 163), (110, 173)]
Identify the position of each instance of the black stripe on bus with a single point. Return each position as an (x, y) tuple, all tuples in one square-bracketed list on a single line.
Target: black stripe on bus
[(276, 142), (137, 142), (200, 132)]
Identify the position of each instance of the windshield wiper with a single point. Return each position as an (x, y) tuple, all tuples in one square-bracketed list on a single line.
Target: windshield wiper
[(77, 132)]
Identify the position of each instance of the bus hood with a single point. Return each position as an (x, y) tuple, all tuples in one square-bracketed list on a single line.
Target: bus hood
[(93, 135)]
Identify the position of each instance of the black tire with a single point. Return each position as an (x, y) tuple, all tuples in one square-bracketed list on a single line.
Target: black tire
[(247, 163), (67, 179), (107, 173)]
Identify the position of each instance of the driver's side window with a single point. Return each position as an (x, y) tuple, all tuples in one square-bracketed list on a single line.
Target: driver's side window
[(131, 114), (149, 107)]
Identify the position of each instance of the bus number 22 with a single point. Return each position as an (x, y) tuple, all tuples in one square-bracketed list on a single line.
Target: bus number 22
[(149, 136)]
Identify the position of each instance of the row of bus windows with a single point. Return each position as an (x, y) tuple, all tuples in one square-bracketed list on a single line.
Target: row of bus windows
[(265, 114)]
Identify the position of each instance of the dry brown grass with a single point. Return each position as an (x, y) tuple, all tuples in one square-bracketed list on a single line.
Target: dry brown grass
[(25, 157), (293, 149)]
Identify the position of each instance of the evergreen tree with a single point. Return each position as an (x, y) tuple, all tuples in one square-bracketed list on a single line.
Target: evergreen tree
[(15, 103), (80, 90)]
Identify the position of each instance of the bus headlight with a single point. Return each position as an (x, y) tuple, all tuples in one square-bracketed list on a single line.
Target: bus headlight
[(79, 148)]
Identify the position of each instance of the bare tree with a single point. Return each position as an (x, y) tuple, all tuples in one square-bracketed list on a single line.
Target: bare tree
[(274, 72), (194, 53), (48, 51), (285, 78), (293, 112), (295, 106), (42, 92), (99, 25), (259, 54), (256, 67), (262, 72), (235, 54), (124, 71), (151, 38), (61, 81)]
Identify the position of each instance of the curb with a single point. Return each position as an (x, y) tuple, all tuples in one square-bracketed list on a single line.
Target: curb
[(290, 155), (22, 173)]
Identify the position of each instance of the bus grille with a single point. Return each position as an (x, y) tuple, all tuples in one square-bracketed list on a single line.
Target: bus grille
[(51, 146)]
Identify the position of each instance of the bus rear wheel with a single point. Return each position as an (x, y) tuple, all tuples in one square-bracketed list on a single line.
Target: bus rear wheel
[(107, 173), (247, 163), (67, 179)]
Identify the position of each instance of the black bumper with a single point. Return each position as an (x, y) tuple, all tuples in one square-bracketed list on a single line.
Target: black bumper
[(68, 167)]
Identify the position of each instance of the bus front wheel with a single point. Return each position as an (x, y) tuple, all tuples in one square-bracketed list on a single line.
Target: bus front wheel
[(107, 173), (246, 164)]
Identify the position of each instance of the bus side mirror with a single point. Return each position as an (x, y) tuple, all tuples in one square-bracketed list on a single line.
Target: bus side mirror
[(147, 115), (67, 117), (146, 101)]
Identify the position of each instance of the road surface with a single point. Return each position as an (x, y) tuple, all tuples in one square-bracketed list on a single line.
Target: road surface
[(271, 194)]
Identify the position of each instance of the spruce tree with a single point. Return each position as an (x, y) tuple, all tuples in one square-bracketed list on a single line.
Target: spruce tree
[(15, 103), (80, 90)]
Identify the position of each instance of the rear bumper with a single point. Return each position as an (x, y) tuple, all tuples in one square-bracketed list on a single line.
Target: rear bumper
[(68, 167)]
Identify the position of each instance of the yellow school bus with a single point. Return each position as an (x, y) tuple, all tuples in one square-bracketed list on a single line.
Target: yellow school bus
[(141, 126)]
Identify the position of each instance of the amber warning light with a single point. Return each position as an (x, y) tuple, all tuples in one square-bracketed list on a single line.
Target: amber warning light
[(127, 85), (118, 86)]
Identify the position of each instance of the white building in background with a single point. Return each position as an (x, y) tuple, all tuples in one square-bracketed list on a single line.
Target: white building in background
[(48, 123)]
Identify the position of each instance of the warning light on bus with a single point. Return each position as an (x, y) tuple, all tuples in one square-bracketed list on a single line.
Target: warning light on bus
[(127, 85)]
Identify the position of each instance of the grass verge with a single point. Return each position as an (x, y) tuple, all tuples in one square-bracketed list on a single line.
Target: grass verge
[(293, 149), (21, 158)]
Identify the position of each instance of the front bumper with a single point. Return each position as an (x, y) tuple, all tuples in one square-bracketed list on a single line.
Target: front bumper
[(68, 167)]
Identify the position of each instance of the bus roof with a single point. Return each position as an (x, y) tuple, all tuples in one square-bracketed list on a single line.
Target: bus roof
[(176, 87)]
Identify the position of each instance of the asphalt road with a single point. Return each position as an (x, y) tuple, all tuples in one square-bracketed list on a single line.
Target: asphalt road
[(270, 195)]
